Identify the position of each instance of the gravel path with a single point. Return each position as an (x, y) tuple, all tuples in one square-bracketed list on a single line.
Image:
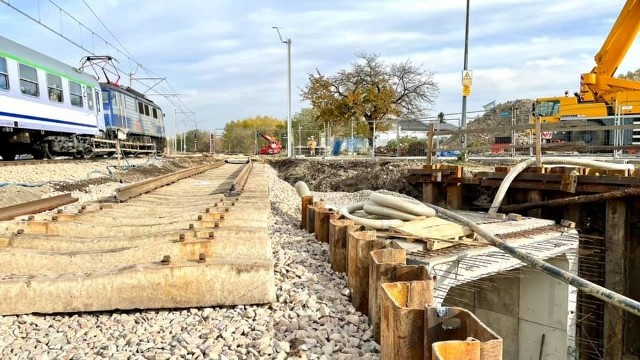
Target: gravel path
[(312, 318)]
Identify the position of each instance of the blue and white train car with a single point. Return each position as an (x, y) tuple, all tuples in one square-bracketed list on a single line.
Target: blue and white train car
[(46, 106), (128, 110)]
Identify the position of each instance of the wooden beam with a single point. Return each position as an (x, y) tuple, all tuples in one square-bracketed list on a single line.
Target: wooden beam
[(581, 199), (614, 276), (430, 144)]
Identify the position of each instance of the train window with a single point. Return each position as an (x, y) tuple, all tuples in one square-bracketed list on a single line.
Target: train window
[(76, 93), (105, 97), (54, 87), (29, 80), (155, 113), (90, 98), (146, 109), (4, 75), (140, 107)]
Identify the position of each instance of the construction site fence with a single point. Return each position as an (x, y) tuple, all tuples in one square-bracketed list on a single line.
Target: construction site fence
[(572, 137)]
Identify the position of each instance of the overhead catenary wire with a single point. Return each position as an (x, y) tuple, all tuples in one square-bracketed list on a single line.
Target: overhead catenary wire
[(173, 99)]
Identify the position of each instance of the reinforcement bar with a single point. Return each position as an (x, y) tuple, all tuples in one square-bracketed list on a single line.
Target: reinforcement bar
[(604, 294)]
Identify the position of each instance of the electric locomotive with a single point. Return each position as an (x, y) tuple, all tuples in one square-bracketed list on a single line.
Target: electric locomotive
[(48, 108)]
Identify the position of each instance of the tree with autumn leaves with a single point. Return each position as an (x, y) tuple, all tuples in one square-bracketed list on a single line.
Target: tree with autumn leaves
[(371, 92), (240, 136)]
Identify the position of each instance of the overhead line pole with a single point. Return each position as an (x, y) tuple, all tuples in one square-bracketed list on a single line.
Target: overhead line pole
[(289, 131), (463, 122)]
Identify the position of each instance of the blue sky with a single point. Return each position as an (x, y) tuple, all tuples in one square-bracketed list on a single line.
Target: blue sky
[(227, 62)]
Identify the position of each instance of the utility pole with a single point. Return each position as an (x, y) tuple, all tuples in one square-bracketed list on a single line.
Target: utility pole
[(289, 131), (195, 135), (463, 124)]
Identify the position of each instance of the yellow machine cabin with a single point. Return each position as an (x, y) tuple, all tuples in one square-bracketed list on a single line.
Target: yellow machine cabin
[(602, 96)]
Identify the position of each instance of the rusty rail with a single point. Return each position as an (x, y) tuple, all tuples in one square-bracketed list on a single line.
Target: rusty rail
[(241, 180), (127, 192), (36, 206)]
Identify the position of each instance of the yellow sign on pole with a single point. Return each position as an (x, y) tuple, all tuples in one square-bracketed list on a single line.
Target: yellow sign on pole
[(466, 90), (467, 77)]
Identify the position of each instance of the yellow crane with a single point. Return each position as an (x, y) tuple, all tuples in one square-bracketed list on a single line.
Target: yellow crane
[(602, 96)]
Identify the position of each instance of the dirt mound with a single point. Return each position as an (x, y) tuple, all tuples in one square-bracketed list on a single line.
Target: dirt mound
[(349, 175), (492, 119), (82, 185)]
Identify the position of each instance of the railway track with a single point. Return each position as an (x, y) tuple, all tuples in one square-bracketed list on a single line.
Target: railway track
[(200, 239), (58, 161)]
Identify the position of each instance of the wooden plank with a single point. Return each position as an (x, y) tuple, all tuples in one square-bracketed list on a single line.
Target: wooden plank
[(432, 231), (614, 276), (430, 144)]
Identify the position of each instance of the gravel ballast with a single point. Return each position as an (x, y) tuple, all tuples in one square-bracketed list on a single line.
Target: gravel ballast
[(311, 319)]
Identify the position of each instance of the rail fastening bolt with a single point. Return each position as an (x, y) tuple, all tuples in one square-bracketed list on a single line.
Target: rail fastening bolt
[(202, 258), (211, 235), (20, 232), (181, 237), (191, 226), (166, 260), (31, 217)]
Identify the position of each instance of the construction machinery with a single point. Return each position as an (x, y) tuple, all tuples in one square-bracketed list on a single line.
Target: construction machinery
[(273, 146), (603, 99)]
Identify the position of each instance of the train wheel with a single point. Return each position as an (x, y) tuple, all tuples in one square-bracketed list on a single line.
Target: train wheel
[(45, 150)]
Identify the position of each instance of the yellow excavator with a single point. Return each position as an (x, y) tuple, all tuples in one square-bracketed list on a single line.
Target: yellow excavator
[(603, 98)]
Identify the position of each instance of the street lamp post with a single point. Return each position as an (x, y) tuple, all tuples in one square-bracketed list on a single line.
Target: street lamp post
[(289, 132)]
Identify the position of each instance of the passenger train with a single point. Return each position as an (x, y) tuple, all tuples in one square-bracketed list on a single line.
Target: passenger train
[(48, 108)]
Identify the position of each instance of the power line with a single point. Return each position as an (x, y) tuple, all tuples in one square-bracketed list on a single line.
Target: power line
[(173, 100), (109, 31)]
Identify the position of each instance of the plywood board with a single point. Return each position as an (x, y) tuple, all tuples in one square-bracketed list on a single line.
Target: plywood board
[(433, 230)]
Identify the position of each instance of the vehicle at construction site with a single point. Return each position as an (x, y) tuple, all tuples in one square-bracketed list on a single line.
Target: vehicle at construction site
[(52, 109), (272, 147), (603, 100)]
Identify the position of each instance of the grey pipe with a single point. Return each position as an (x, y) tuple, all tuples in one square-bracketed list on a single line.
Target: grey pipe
[(376, 224), (404, 205), (302, 189), (604, 294), (374, 209), (520, 167)]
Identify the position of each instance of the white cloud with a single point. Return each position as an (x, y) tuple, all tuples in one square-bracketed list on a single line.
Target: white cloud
[(227, 61)]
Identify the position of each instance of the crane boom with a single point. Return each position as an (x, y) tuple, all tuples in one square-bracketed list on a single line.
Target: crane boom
[(619, 40), (602, 97), (600, 84)]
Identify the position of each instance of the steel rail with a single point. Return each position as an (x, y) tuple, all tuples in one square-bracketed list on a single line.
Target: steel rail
[(36, 206), (127, 192)]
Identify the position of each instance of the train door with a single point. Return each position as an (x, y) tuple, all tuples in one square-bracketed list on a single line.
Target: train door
[(99, 110)]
